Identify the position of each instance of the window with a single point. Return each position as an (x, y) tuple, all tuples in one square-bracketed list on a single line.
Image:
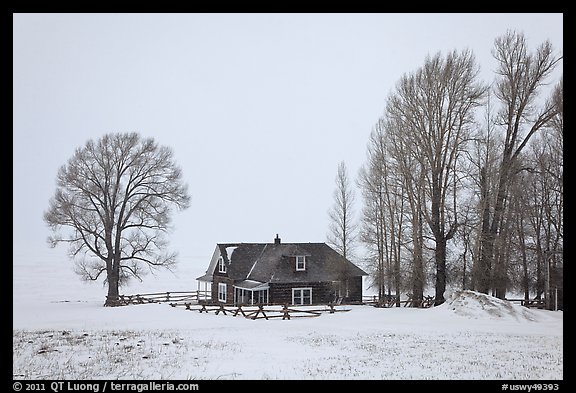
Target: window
[(221, 265), (222, 292), (301, 296), (262, 296), (300, 263)]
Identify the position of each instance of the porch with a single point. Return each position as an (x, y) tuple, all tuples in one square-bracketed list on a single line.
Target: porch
[(251, 292)]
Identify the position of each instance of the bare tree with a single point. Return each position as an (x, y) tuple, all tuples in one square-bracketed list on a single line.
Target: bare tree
[(484, 163), (112, 206), (404, 199), (385, 208), (521, 76), (342, 233), (412, 177), (433, 109), (542, 201), (374, 232)]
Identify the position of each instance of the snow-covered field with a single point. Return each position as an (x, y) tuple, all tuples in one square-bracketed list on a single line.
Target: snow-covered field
[(61, 331)]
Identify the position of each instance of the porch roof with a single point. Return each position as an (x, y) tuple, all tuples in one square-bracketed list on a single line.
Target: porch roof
[(251, 285), (206, 277)]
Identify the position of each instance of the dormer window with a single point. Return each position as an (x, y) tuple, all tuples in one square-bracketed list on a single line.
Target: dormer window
[(221, 265), (300, 263)]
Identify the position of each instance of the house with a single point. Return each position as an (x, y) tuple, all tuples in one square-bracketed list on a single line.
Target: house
[(281, 273)]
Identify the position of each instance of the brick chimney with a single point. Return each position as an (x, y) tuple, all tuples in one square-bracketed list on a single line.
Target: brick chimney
[(277, 240)]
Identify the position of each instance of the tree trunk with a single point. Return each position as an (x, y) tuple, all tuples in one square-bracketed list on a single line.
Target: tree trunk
[(464, 261), (439, 239), (113, 297), (504, 249), (496, 232), (418, 259), (500, 276), (397, 279), (525, 276), (440, 271), (483, 271)]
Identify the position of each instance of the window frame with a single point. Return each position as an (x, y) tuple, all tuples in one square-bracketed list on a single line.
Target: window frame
[(221, 265), (301, 296), (303, 268), (222, 292)]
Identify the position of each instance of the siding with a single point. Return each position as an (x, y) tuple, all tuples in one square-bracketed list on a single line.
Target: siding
[(322, 292), (229, 288), (354, 290)]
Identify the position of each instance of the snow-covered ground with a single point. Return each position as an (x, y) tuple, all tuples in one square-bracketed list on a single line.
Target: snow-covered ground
[(61, 331)]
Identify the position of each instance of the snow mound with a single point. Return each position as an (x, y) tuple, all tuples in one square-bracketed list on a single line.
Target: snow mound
[(476, 305)]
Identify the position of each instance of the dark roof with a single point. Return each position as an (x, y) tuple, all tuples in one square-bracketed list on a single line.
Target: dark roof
[(269, 262)]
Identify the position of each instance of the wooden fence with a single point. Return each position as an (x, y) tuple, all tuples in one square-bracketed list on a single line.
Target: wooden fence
[(393, 301), (200, 301), (428, 301), (261, 311), (197, 297), (530, 303), (164, 297)]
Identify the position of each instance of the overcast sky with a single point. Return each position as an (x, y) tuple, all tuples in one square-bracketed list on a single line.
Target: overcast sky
[(258, 108)]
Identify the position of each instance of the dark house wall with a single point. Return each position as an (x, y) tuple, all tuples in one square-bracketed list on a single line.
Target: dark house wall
[(354, 290), (220, 278), (322, 292)]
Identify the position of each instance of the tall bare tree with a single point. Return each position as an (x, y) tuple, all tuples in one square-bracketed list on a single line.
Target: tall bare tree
[(113, 205), (374, 231), (483, 159), (385, 207), (521, 76), (433, 109), (542, 202), (342, 234), (410, 173)]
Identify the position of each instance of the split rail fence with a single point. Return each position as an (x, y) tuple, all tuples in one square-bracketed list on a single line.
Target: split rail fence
[(262, 311), (203, 298), (200, 301), (530, 303), (164, 297), (392, 301)]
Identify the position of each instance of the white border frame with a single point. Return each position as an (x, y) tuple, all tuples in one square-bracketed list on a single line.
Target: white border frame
[(221, 265), (222, 285), (302, 296), (304, 268)]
